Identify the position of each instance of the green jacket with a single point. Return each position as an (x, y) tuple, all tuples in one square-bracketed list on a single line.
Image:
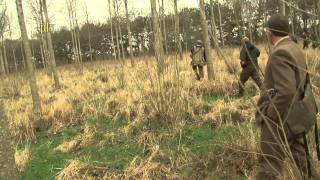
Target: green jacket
[(198, 56), (249, 54)]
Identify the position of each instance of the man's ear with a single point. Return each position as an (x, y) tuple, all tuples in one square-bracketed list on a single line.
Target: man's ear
[(269, 34)]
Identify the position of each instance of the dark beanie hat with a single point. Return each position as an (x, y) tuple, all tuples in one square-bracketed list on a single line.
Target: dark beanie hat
[(278, 23)]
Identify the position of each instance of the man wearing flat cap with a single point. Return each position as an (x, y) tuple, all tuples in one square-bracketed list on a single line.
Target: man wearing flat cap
[(284, 74), (249, 55), (198, 59)]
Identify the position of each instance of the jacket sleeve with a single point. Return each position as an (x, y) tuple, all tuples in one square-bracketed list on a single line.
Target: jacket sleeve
[(243, 54), (283, 75), (257, 52)]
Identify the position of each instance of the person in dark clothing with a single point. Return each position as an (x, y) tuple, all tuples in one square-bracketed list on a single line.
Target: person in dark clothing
[(249, 62), (306, 40)]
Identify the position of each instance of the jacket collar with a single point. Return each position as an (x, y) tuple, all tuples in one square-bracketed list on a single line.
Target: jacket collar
[(281, 40)]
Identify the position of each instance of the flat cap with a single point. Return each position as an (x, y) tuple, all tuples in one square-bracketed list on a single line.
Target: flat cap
[(198, 43), (278, 23), (244, 40)]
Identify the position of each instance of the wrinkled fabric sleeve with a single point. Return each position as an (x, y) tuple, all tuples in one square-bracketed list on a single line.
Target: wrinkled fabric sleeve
[(243, 54), (283, 75)]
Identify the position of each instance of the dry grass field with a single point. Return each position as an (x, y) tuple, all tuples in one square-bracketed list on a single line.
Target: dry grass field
[(114, 121)]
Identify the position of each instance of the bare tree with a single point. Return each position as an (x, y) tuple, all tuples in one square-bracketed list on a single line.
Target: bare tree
[(24, 61), (2, 66), (282, 7), (27, 50), (119, 27), (71, 5), (220, 25), (3, 23), (77, 32), (50, 47), (164, 29), (129, 32), (37, 15), (177, 30), (13, 49), (318, 10), (111, 31), (158, 47), (5, 58), (206, 40), (89, 33), (292, 15), (214, 30)]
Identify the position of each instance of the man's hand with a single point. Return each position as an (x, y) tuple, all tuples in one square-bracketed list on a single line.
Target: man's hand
[(243, 64)]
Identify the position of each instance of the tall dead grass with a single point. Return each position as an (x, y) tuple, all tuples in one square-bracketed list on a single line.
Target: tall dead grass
[(139, 94)]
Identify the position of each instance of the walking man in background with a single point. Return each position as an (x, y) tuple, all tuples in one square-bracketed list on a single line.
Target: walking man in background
[(285, 73), (198, 60), (249, 62)]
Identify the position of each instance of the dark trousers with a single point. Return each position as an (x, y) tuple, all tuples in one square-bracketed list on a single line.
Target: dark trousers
[(246, 73), (198, 71), (272, 154)]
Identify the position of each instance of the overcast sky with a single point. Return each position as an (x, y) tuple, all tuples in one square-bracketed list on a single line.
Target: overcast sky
[(98, 11)]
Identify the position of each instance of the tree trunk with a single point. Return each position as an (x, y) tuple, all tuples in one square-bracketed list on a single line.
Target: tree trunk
[(78, 43), (129, 32), (158, 46), (282, 8), (32, 55), (237, 21), (5, 58), (50, 49), (2, 64), (69, 5), (220, 25), (164, 33), (177, 31), (243, 30), (13, 49), (292, 21), (120, 31), (111, 31), (121, 41), (214, 30), (14, 59), (318, 10), (24, 62), (27, 50), (206, 40), (45, 50), (44, 39), (89, 35), (117, 30), (42, 55), (90, 46), (250, 25)]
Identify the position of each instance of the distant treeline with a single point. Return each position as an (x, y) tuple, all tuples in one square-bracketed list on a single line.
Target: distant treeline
[(234, 19)]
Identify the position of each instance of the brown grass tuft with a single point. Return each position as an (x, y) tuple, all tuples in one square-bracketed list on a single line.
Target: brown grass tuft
[(79, 170), (22, 157)]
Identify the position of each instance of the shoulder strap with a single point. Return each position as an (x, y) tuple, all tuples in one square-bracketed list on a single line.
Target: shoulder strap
[(199, 49)]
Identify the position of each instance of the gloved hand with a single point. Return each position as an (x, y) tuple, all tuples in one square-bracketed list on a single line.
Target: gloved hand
[(243, 64)]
